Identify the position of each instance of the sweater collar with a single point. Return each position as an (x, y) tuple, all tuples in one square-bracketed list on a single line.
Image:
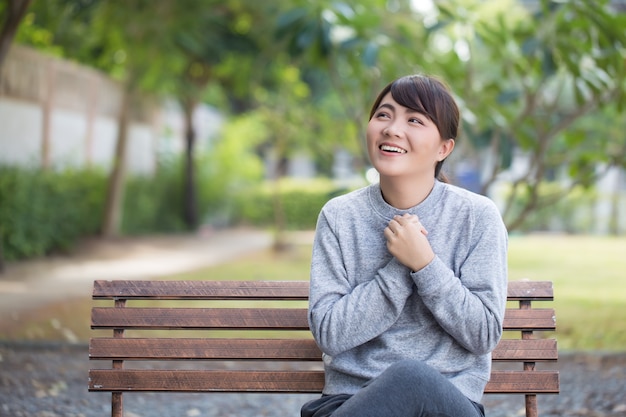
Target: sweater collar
[(387, 211)]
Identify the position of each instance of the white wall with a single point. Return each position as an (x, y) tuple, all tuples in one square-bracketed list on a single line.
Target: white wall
[(20, 132), (82, 107)]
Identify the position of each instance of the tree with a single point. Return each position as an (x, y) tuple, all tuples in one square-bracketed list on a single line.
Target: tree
[(526, 81), (355, 44), (526, 78), (13, 12), (122, 40), (204, 53), (138, 30)]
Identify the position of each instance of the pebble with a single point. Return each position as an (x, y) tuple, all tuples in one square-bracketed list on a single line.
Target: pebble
[(52, 382)]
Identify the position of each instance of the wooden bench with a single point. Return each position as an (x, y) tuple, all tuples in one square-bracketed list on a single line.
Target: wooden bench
[(265, 361)]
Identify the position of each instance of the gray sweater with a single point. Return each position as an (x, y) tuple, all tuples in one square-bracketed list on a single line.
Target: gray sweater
[(367, 311)]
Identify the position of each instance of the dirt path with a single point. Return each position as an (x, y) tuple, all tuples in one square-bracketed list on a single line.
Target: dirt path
[(25, 285)]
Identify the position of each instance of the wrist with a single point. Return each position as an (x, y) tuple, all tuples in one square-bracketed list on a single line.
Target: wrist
[(418, 266)]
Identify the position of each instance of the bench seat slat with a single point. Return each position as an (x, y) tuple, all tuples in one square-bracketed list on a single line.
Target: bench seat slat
[(205, 380), (272, 349), (502, 382), (204, 349), (261, 318), (530, 291), (201, 290), (520, 382), (539, 319), (255, 290), (200, 318), (530, 350)]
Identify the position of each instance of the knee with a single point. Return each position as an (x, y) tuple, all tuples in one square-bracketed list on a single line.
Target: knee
[(412, 372)]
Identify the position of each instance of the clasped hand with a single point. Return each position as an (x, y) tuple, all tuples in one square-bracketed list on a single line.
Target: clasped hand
[(407, 242)]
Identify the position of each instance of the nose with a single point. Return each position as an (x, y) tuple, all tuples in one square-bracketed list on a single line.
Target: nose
[(391, 130)]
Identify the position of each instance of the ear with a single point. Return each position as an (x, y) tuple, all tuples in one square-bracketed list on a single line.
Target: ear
[(445, 149)]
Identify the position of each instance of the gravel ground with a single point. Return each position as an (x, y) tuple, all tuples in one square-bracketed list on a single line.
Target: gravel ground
[(44, 380)]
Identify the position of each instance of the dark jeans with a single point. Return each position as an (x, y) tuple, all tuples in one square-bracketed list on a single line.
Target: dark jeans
[(406, 389)]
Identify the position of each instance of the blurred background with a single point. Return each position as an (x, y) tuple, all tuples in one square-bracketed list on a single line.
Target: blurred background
[(142, 117), (150, 118), (140, 120)]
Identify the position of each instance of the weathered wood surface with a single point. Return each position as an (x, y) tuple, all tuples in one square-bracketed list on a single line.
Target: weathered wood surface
[(519, 350)]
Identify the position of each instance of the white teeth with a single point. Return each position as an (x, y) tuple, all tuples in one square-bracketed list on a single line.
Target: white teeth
[(392, 149)]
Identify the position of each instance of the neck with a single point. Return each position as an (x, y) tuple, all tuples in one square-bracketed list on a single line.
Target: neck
[(405, 193)]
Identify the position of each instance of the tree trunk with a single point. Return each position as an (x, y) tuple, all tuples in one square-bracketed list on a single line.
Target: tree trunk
[(115, 194), (1, 251), (15, 12), (281, 243), (190, 203), (614, 229)]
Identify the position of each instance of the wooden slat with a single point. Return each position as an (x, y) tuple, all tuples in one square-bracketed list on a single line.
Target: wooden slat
[(205, 381), (254, 290), (273, 349), (202, 290), (261, 318), (502, 382), (530, 290), (530, 350), (125, 349), (520, 382), (531, 319), (200, 318), (204, 349)]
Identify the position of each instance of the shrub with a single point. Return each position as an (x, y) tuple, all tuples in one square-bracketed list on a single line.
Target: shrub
[(154, 203), (301, 203), (44, 211)]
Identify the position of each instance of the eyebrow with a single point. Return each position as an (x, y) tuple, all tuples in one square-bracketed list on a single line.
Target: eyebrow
[(393, 108), (386, 106)]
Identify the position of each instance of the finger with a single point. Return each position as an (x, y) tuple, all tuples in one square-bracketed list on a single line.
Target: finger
[(404, 219), (394, 224)]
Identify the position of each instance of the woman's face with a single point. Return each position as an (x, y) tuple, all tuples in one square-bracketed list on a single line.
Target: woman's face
[(403, 142)]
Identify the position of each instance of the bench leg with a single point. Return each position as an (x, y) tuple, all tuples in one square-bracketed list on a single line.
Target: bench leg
[(117, 406), (531, 406)]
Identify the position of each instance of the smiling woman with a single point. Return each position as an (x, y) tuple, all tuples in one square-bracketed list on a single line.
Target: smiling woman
[(408, 275), (412, 130)]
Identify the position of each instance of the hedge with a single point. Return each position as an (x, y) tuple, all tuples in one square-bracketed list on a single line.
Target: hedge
[(46, 211), (301, 202)]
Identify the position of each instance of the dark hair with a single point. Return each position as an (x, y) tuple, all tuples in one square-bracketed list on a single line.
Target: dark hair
[(429, 96)]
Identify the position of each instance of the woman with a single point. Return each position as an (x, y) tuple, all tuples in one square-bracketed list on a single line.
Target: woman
[(408, 276)]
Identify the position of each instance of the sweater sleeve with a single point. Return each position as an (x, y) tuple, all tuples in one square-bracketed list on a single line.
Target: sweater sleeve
[(343, 315), (471, 307)]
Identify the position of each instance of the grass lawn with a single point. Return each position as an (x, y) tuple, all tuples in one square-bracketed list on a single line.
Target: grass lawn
[(589, 275)]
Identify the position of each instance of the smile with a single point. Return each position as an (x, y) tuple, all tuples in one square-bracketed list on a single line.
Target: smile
[(389, 148)]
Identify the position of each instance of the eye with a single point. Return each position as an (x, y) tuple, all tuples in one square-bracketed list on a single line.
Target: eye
[(416, 120), (382, 114)]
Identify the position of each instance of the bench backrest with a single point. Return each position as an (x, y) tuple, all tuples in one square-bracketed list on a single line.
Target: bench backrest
[(234, 321)]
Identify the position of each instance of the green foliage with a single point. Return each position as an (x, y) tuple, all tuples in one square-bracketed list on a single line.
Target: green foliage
[(570, 211), (153, 204), (301, 200), (230, 166), (45, 211), (525, 73), (48, 211)]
